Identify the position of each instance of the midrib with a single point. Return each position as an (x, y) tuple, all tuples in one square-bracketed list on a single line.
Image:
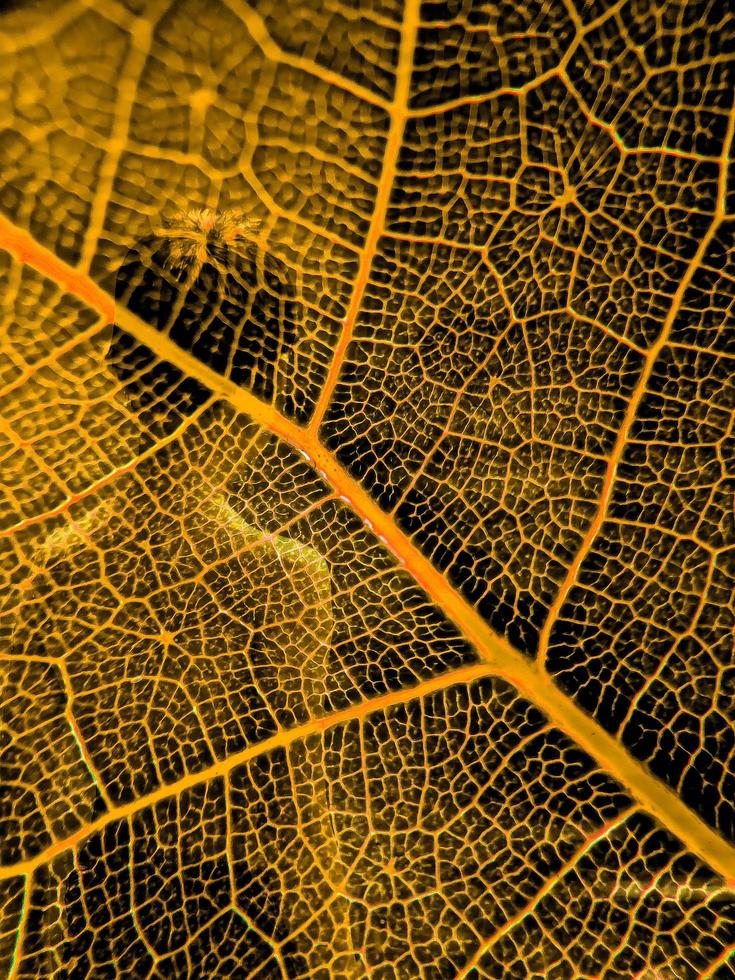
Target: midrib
[(498, 657)]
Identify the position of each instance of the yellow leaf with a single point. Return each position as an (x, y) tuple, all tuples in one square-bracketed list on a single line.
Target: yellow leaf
[(367, 507)]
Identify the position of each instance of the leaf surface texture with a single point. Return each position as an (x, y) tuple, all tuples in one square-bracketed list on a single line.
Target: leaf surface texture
[(367, 511)]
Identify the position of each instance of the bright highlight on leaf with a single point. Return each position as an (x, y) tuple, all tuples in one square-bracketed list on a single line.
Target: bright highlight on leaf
[(367, 526)]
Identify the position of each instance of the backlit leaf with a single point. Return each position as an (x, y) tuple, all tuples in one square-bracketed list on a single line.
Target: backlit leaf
[(367, 516)]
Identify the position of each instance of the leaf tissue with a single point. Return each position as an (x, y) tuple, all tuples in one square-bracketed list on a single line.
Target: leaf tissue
[(367, 426)]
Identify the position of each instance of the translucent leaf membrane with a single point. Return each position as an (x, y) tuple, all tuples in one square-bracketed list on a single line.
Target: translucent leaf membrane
[(464, 835), (366, 427), (645, 637), (199, 773), (533, 249), (59, 92), (523, 393)]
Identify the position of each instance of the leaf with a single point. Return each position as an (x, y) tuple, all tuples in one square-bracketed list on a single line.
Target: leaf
[(367, 522)]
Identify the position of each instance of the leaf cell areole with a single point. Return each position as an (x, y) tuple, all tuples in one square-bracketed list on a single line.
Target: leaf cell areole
[(366, 420)]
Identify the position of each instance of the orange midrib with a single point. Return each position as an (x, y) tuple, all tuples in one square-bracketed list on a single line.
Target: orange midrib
[(504, 661)]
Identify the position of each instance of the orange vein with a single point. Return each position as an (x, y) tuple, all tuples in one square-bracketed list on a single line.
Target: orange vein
[(398, 117), (140, 39), (637, 396), (282, 739), (256, 27), (652, 795), (725, 956), (26, 249), (20, 932), (104, 481), (600, 834)]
